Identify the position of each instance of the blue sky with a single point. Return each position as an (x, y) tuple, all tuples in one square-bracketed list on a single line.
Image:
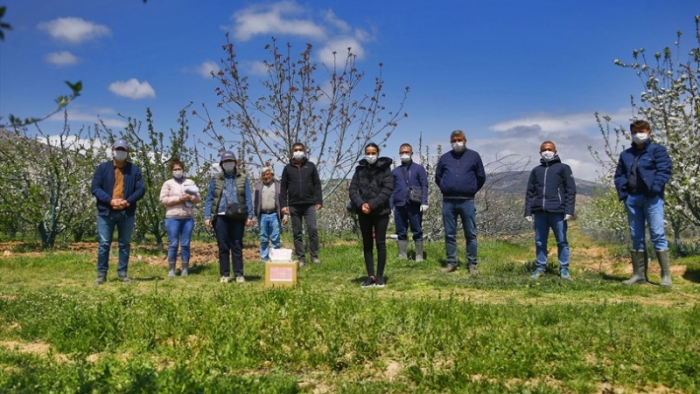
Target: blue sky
[(510, 73)]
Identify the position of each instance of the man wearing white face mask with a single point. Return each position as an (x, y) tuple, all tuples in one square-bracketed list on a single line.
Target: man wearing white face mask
[(550, 198), (410, 181), (460, 175), (640, 179), (117, 185), (300, 198)]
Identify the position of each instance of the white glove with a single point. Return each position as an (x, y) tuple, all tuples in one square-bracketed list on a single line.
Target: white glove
[(528, 218), (423, 208), (567, 217)]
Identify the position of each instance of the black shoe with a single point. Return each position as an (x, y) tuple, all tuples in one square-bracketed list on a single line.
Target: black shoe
[(380, 283), (125, 279), (370, 282)]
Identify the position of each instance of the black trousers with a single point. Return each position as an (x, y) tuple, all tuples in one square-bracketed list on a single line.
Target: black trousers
[(373, 229), (307, 212)]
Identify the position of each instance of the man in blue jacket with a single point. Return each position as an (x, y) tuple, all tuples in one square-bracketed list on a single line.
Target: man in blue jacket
[(407, 176), (117, 185), (550, 198), (640, 178), (460, 175)]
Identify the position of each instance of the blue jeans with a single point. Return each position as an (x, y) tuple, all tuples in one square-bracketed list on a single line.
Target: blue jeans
[(406, 215), (543, 222), (466, 210), (229, 238), (641, 208), (177, 228), (269, 232), (105, 231)]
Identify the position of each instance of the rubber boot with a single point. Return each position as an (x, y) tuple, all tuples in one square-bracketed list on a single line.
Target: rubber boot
[(419, 251), (403, 245), (665, 264), (171, 273), (185, 267), (638, 268)]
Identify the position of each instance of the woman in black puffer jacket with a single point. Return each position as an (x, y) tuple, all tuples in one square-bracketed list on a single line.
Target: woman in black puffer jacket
[(370, 191)]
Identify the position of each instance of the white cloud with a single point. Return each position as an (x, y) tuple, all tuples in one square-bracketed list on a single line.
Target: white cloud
[(257, 68), (340, 47), (271, 19), (207, 68), (63, 58), (132, 89), (74, 30), (90, 116)]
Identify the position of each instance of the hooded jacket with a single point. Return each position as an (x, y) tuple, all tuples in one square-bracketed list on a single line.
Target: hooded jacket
[(551, 188), (654, 169), (372, 184), (300, 184)]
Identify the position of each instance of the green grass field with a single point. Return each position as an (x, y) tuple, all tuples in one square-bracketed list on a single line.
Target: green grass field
[(426, 332)]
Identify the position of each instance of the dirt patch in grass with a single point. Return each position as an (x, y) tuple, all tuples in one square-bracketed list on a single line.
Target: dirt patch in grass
[(36, 348)]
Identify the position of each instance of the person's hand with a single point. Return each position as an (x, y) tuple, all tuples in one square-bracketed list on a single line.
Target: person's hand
[(249, 222), (184, 198), (318, 207), (366, 209), (285, 210), (207, 222), (529, 218), (423, 208), (285, 220), (567, 217), (115, 203)]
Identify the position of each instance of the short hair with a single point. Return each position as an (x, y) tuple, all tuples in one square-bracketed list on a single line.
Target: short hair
[(457, 133), (372, 145), (175, 162), (549, 142), (640, 124), (298, 144), (406, 144), (266, 169)]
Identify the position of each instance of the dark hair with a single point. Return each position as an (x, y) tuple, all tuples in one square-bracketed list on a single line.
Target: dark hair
[(406, 144), (174, 162), (372, 145), (298, 144), (548, 142), (457, 133), (640, 124)]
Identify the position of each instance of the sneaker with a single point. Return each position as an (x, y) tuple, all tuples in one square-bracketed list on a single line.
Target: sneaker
[(240, 279), (316, 260), (449, 268), (370, 282), (537, 273), (564, 274), (380, 283), (125, 279), (224, 279), (473, 271), (100, 280), (301, 263)]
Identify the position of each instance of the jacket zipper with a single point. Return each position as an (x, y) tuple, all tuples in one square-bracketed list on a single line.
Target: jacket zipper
[(544, 188)]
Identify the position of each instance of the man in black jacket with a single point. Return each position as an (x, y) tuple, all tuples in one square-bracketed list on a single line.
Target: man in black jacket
[(301, 197), (550, 198)]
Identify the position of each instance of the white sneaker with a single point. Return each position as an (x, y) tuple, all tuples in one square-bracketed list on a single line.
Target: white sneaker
[(224, 279), (240, 279)]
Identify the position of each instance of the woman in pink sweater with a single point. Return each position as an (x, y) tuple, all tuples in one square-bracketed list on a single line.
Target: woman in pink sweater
[(179, 195)]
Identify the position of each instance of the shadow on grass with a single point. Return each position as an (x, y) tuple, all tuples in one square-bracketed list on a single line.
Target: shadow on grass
[(692, 274), (612, 278)]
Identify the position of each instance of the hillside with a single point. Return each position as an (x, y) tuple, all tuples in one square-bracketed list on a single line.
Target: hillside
[(516, 182)]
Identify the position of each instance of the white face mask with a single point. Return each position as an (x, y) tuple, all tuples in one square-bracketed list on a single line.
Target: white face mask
[(640, 138), (120, 155), (405, 158), (547, 155), (459, 146), (371, 159), (298, 155), (228, 166), (177, 174)]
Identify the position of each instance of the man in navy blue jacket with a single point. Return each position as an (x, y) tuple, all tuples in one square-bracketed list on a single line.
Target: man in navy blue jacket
[(640, 178), (117, 185), (460, 175), (550, 198), (409, 175)]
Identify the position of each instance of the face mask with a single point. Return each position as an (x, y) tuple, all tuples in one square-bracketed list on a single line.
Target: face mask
[(458, 146), (228, 167), (371, 159), (120, 155), (405, 158), (640, 138), (177, 174), (547, 155), (298, 155)]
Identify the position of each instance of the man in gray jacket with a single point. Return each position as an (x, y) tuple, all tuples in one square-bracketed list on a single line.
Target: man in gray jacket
[(266, 204)]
